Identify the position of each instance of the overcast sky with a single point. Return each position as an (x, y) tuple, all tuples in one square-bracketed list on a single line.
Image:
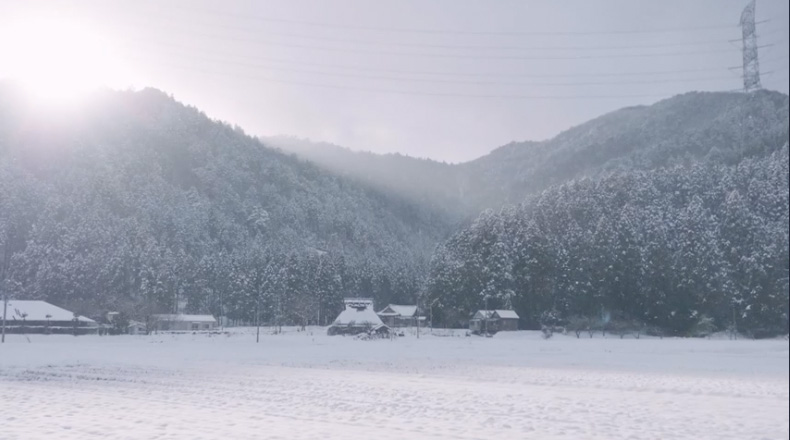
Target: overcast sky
[(445, 79)]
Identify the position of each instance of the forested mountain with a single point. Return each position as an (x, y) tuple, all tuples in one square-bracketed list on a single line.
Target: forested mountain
[(712, 127), (715, 127), (669, 216), (135, 202), (674, 248)]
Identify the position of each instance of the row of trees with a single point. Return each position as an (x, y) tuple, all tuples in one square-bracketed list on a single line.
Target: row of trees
[(666, 248)]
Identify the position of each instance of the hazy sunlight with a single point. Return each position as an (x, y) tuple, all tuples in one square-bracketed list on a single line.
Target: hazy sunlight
[(57, 60)]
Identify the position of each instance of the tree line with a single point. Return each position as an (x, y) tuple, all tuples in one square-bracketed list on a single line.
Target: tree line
[(668, 249)]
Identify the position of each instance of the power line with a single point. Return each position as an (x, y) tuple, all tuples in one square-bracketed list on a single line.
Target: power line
[(450, 81), (497, 57), (172, 19), (489, 47), (414, 93), (267, 63), (391, 71), (269, 79), (216, 12)]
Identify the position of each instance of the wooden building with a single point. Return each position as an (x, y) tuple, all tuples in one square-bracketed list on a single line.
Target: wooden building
[(43, 317), (492, 321), (183, 323), (395, 315)]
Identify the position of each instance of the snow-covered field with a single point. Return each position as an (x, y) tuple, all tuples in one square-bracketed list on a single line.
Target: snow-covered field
[(306, 385)]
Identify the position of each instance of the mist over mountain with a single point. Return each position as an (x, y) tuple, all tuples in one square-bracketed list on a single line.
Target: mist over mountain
[(715, 127), (440, 185)]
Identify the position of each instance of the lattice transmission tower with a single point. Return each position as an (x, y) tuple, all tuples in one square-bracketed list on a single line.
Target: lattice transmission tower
[(751, 64)]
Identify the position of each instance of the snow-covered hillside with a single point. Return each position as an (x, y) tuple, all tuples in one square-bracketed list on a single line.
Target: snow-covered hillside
[(306, 385)]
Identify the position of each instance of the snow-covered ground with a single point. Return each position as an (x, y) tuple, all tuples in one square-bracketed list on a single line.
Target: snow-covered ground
[(306, 385)]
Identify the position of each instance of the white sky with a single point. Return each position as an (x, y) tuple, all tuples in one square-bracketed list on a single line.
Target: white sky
[(445, 79)]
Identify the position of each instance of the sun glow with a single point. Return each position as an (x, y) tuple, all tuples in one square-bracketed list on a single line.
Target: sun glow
[(58, 61)]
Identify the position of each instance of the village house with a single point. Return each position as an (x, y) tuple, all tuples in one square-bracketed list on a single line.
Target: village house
[(492, 321), (395, 315), (183, 323), (135, 327), (357, 317), (43, 317)]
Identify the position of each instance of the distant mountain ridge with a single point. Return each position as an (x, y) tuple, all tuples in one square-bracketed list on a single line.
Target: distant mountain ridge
[(698, 126)]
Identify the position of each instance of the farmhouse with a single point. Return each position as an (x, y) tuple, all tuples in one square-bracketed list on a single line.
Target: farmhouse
[(395, 315), (492, 321), (357, 317), (43, 317), (183, 323)]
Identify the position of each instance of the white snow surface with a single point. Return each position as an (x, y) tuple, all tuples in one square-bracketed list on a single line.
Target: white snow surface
[(38, 311), (505, 314), (306, 385)]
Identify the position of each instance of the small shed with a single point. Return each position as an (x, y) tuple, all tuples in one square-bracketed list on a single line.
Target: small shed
[(395, 315), (43, 317), (183, 323), (136, 327), (357, 317), (492, 321)]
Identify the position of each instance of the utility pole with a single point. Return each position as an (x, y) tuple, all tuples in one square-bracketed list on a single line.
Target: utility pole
[(418, 322), (257, 319), (431, 312), (485, 318), (5, 309)]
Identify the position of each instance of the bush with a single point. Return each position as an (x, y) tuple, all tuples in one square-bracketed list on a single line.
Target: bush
[(703, 328), (623, 327), (579, 324), (550, 318), (764, 333)]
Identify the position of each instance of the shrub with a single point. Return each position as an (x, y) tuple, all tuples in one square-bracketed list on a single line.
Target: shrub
[(579, 324), (703, 328)]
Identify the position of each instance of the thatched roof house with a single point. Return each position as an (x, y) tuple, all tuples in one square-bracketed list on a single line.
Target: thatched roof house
[(357, 316)]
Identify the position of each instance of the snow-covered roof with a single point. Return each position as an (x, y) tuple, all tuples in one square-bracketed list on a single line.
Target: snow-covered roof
[(185, 318), (398, 310), (38, 311), (507, 314), (358, 301), (488, 314), (358, 316)]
